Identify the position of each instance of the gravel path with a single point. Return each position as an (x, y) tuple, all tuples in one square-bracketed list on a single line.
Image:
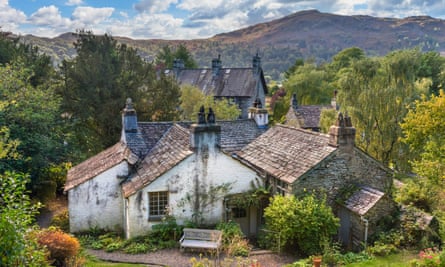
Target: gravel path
[(174, 258)]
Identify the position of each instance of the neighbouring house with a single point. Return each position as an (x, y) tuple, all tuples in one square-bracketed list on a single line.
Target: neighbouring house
[(307, 116), (159, 168), (292, 160), (243, 86), (193, 170)]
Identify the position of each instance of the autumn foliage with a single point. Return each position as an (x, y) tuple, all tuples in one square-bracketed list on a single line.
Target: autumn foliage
[(61, 246)]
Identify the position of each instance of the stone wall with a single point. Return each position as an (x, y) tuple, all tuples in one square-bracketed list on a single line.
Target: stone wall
[(342, 168)]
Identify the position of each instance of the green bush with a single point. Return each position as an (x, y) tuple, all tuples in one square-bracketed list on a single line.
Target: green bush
[(232, 239), (307, 222), (61, 221)]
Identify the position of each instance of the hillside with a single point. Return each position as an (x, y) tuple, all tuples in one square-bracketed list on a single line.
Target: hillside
[(305, 34)]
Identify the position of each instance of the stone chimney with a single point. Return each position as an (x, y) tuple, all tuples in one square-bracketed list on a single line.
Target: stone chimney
[(206, 134), (216, 66), (256, 64), (259, 114), (294, 101), (342, 134), (129, 120), (178, 65)]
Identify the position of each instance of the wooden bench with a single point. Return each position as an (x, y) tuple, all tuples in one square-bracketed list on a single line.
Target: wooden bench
[(201, 238)]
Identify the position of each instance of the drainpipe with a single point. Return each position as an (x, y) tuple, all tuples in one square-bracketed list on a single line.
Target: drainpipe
[(366, 228)]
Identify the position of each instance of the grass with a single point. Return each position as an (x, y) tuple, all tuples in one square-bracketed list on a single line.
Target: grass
[(401, 259)]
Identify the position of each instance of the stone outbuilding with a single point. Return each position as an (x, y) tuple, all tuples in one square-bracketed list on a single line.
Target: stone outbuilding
[(293, 160)]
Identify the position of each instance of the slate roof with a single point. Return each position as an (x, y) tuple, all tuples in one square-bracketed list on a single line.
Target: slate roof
[(230, 82), (99, 163), (171, 149), (286, 152), (307, 117), (363, 200)]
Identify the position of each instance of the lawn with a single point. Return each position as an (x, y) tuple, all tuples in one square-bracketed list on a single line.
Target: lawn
[(401, 259)]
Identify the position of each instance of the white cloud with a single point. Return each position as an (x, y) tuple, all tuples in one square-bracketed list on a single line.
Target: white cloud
[(92, 16), (10, 18), (74, 2), (49, 16)]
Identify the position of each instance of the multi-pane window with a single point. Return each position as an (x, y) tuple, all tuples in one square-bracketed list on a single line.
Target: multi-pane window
[(157, 204), (239, 212)]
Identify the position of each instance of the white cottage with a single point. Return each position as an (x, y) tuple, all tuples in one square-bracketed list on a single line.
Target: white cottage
[(182, 169)]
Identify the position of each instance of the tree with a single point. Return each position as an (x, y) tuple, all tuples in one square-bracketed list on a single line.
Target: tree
[(424, 132), (166, 57), (310, 84), (193, 98), (307, 221), (96, 85), (32, 117), (376, 93), (12, 50)]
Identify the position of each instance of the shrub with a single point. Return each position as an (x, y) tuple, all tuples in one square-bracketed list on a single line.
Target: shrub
[(61, 221), (61, 246), (168, 229), (307, 222), (382, 249), (232, 239)]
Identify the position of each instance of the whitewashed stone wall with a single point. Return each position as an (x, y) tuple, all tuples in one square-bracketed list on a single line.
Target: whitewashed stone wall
[(207, 167), (98, 202)]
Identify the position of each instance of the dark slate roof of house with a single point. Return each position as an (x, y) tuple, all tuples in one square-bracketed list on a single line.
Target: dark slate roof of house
[(306, 116), (286, 152), (230, 82), (171, 149), (98, 164), (363, 200)]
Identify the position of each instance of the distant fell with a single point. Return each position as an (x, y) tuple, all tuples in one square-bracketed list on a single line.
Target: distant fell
[(305, 34)]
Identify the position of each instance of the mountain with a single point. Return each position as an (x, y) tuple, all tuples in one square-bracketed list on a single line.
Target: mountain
[(305, 34)]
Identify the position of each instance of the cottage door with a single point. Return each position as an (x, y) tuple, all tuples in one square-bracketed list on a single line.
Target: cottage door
[(345, 233), (241, 217)]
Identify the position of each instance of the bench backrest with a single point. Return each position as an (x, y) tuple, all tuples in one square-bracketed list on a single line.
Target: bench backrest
[(202, 234)]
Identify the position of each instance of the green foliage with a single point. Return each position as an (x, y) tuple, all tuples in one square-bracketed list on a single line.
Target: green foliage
[(166, 57), (18, 246), (32, 117), (418, 193), (193, 98), (168, 229), (61, 221), (307, 222), (376, 92), (327, 119), (382, 249), (233, 240), (310, 84), (423, 129), (96, 85)]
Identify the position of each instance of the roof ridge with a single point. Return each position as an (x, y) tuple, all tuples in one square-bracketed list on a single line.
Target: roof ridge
[(302, 130)]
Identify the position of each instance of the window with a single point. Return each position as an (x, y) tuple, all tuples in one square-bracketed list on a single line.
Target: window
[(239, 212), (157, 204)]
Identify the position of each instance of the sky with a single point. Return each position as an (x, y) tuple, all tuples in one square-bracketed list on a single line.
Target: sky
[(183, 19)]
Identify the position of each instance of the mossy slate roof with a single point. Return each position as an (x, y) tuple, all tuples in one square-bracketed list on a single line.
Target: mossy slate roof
[(156, 148), (286, 152), (98, 164)]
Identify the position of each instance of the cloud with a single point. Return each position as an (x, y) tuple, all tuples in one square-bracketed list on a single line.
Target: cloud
[(49, 16), (74, 2), (92, 16), (153, 6), (10, 18)]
